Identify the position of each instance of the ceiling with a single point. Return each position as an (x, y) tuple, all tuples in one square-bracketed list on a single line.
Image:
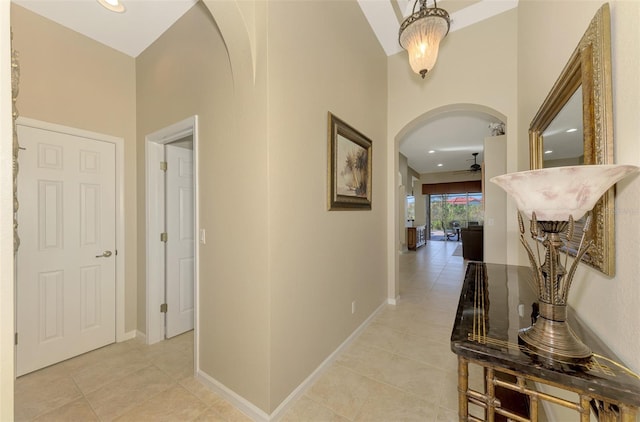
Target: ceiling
[(446, 143), (130, 32), (385, 16), (453, 136)]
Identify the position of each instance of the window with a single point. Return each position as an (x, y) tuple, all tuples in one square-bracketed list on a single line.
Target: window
[(455, 210), (411, 208)]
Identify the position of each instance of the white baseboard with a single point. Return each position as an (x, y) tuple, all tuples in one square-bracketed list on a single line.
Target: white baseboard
[(141, 336), (232, 397), (128, 336), (308, 382), (259, 415), (392, 301)]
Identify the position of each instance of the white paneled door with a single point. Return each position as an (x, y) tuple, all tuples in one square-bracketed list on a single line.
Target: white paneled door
[(66, 261), (180, 240)]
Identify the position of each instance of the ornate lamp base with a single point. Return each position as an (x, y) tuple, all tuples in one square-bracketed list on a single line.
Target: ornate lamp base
[(552, 198), (552, 337)]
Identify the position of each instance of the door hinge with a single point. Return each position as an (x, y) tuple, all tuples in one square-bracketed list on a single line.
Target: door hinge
[(163, 165), (164, 237), (163, 308), (16, 339)]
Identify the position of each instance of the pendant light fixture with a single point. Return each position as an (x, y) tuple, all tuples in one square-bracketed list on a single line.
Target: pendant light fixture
[(421, 33)]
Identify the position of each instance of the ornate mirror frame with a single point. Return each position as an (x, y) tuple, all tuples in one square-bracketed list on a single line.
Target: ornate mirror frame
[(590, 67), (15, 82)]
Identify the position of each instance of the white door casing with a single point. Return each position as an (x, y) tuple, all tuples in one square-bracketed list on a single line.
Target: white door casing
[(181, 236), (66, 265), (155, 201)]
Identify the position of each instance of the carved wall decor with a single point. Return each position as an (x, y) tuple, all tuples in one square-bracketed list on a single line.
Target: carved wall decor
[(15, 81)]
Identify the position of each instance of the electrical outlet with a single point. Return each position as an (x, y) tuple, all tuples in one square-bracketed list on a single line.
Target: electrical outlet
[(353, 307)]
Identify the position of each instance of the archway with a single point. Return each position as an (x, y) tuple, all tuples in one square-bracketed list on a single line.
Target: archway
[(236, 35), (396, 188)]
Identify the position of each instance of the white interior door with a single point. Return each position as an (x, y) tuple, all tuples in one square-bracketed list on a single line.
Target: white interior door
[(66, 261), (180, 267)]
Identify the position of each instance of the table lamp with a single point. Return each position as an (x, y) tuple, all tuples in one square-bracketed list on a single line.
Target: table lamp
[(552, 199)]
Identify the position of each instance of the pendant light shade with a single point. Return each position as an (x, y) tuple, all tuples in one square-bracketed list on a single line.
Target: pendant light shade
[(420, 35)]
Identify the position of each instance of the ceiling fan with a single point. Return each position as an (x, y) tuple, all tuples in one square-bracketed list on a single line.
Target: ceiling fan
[(475, 166)]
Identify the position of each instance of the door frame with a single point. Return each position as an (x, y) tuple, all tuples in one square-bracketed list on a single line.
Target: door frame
[(155, 212), (120, 334)]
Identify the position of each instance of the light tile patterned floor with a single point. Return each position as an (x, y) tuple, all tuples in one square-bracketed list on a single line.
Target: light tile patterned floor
[(399, 369)]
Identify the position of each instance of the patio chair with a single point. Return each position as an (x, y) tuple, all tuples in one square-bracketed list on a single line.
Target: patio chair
[(453, 231)]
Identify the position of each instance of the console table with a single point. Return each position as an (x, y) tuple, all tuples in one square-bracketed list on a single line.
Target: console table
[(495, 302), (416, 237)]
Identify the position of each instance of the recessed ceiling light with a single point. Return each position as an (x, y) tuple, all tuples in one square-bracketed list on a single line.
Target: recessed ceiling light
[(112, 5), (571, 130), (431, 151), (548, 151), (440, 165)]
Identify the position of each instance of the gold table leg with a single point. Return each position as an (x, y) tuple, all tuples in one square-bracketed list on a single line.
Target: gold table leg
[(585, 409), (463, 386), (628, 413)]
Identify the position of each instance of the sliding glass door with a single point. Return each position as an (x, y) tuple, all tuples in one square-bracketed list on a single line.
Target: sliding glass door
[(450, 212)]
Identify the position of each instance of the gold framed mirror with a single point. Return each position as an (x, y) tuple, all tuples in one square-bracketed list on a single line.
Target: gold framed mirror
[(574, 126)]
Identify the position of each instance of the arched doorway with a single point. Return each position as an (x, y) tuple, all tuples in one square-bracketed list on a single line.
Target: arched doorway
[(397, 199)]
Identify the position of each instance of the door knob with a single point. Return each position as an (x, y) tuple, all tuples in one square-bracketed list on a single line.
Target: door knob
[(105, 254)]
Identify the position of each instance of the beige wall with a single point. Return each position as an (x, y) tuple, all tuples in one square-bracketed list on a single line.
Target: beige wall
[(476, 65), (71, 80), (404, 190), (320, 261), (186, 72), (403, 168), (476, 70), (495, 200), (608, 305), (258, 339), (421, 203), (266, 326)]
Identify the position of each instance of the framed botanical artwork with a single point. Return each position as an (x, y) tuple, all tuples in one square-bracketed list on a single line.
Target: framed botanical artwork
[(349, 167)]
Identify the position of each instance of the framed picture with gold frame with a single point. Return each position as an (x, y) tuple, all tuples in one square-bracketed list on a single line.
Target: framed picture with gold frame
[(349, 167)]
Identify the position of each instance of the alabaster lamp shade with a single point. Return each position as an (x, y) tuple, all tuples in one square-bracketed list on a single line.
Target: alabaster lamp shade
[(556, 193), (422, 39), (421, 33)]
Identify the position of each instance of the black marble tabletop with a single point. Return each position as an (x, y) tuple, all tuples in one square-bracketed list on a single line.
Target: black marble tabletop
[(498, 300)]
